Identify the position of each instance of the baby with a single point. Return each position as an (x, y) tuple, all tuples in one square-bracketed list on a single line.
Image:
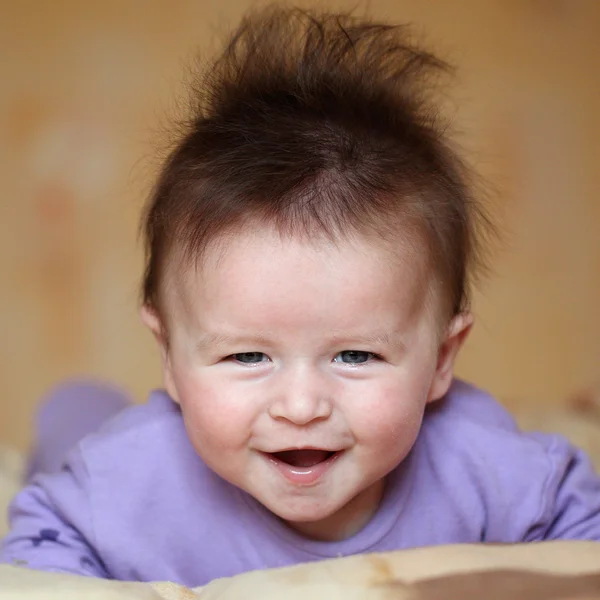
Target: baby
[(310, 243)]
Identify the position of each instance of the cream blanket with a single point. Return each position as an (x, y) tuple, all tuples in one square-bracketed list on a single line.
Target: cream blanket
[(545, 571)]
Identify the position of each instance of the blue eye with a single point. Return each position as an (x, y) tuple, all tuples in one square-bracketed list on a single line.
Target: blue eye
[(250, 358), (354, 357)]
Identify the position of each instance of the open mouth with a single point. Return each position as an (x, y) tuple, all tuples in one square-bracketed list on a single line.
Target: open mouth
[(303, 458)]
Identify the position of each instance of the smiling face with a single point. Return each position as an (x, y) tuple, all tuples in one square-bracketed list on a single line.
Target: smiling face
[(303, 370)]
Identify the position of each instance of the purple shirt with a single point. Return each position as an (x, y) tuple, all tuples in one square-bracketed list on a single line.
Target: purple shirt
[(135, 502)]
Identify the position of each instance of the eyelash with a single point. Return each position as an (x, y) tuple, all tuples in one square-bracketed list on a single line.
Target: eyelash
[(372, 356), (232, 357)]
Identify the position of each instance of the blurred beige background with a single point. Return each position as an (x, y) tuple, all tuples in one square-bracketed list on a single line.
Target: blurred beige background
[(87, 87)]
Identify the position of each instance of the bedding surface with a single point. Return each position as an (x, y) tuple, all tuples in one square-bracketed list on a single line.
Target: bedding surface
[(543, 571)]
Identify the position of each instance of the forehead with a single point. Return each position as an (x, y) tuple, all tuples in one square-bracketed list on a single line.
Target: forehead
[(264, 271)]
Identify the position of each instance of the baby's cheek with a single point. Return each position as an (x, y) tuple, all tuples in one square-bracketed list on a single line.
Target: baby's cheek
[(392, 417), (216, 418)]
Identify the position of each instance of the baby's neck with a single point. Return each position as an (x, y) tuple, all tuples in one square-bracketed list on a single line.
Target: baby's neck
[(346, 522)]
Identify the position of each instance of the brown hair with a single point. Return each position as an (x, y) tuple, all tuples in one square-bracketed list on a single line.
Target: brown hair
[(316, 123)]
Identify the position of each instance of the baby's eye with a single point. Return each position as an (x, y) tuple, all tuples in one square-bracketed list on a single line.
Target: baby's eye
[(354, 357), (250, 358)]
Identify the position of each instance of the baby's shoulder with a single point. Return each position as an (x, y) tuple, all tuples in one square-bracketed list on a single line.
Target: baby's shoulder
[(142, 432), (141, 446), (470, 405), (477, 457), (472, 423), (157, 412)]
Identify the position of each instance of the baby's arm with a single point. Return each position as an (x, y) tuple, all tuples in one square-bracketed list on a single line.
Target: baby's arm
[(51, 524), (570, 508)]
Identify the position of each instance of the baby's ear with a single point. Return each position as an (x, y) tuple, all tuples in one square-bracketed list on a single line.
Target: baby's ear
[(455, 337), (153, 322)]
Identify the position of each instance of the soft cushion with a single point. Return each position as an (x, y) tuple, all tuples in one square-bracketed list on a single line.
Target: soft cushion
[(542, 571)]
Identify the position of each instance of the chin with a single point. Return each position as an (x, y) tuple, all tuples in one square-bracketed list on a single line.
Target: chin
[(302, 512)]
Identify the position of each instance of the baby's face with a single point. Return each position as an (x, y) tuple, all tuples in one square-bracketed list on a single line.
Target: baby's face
[(303, 371)]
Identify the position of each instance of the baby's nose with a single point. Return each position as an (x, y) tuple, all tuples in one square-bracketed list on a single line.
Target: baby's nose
[(302, 398)]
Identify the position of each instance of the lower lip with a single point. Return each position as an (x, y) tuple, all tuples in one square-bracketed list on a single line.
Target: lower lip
[(304, 476)]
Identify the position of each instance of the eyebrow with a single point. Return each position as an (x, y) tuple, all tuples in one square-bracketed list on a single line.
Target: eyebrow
[(383, 338), (221, 339)]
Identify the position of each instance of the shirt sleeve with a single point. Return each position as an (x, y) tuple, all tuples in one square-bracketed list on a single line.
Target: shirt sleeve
[(51, 527), (570, 508)]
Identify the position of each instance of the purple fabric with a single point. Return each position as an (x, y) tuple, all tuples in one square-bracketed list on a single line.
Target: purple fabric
[(67, 414), (135, 502)]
